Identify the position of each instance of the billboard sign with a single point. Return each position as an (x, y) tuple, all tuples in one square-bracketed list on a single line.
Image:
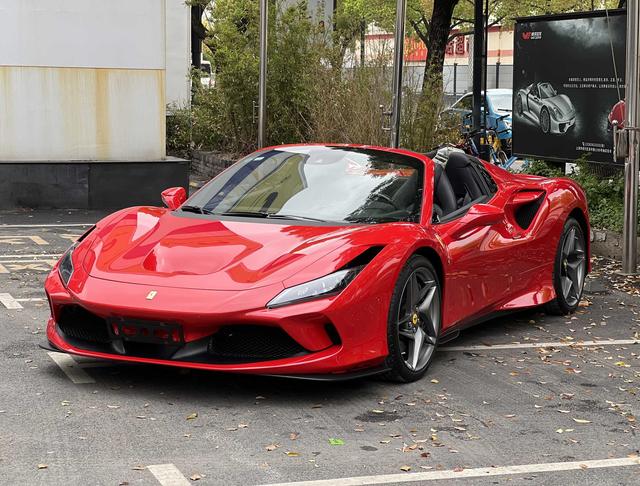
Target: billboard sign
[(568, 74)]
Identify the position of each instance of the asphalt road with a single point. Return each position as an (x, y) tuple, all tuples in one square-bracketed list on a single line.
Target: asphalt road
[(565, 412)]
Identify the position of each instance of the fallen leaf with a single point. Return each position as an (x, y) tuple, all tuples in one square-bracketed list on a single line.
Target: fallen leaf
[(138, 468), (294, 435), (581, 421), (292, 454), (272, 447), (435, 381), (195, 477), (405, 468), (192, 416), (336, 442), (42, 466)]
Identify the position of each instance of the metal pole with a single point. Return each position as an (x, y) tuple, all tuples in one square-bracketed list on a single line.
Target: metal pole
[(396, 107), (455, 79), (262, 83), (632, 123), (478, 54)]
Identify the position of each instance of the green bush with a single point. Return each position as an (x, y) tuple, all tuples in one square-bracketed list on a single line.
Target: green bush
[(312, 96), (603, 185)]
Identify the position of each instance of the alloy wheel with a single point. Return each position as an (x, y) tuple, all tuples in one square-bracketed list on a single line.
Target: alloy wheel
[(545, 121), (572, 266), (419, 319)]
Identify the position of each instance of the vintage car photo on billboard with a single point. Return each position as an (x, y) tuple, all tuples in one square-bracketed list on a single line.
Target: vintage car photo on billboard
[(542, 104), (568, 72)]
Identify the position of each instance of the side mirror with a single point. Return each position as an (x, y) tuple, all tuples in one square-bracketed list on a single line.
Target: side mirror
[(174, 197), (477, 216)]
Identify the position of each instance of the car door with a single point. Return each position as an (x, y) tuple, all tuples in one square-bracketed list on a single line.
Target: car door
[(534, 102), (481, 270)]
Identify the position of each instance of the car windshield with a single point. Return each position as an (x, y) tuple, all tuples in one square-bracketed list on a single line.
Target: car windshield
[(547, 91), (332, 184), (501, 102)]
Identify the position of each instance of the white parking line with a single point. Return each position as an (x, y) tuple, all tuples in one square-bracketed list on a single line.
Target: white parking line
[(558, 344), (17, 239), (67, 225), (9, 302), (469, 473), (168, 475), (71, 368), (33, 255)]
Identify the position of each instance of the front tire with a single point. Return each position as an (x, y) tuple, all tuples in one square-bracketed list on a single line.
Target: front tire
[(570, 270), (545, 121), (414, 321)]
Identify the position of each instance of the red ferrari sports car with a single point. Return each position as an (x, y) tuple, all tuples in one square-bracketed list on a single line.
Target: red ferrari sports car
[(321, 261)]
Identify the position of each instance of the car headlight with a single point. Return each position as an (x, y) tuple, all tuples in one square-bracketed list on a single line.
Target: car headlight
[(65, 267), (331, 284)]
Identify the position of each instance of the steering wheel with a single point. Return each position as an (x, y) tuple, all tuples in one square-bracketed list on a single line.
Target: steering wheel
[(384, 197)]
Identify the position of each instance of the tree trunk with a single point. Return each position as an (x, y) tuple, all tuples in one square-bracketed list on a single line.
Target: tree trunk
[(437, 38)]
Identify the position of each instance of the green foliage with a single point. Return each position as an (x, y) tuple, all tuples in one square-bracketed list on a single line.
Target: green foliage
[(544, 169), (603, 185), (311, 96), (605, 195)]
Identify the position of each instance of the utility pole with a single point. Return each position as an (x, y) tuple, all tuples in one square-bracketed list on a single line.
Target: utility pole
[(398, 62), (632, 128), (262, 83)]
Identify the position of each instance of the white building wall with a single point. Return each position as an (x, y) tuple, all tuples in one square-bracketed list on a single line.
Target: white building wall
[(178, 49), (82, 79)]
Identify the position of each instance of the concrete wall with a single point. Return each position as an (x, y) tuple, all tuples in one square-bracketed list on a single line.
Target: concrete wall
[(82, 79)]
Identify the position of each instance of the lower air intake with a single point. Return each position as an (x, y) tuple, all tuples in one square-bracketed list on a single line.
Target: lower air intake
[(78, 323), (246, 344)]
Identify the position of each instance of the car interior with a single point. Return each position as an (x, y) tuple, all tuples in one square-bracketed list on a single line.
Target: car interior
[(460, 181)]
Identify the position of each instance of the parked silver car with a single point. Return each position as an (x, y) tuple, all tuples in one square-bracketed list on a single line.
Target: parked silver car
[(542, 104)]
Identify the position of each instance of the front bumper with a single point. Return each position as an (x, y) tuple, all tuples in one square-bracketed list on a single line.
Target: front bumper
[(334, 337), (562, 126)]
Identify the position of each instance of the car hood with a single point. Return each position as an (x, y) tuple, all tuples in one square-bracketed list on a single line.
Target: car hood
[(562, 103), (153, 246)]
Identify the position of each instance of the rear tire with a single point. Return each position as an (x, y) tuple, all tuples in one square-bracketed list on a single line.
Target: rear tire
[(519, 106), (569, 271), (414, 321)]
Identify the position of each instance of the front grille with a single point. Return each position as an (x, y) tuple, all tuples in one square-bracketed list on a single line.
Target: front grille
[(244, 344), (78, 323)]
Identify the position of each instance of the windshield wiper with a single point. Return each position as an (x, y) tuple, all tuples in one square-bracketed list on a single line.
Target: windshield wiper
[(246, 214), (267, 215), (195, 209)]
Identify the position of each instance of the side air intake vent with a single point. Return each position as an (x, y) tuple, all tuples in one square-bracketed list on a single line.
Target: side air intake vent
[(525, 213)]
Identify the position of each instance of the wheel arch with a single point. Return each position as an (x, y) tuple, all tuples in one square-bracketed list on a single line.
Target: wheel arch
[(433, 257)]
